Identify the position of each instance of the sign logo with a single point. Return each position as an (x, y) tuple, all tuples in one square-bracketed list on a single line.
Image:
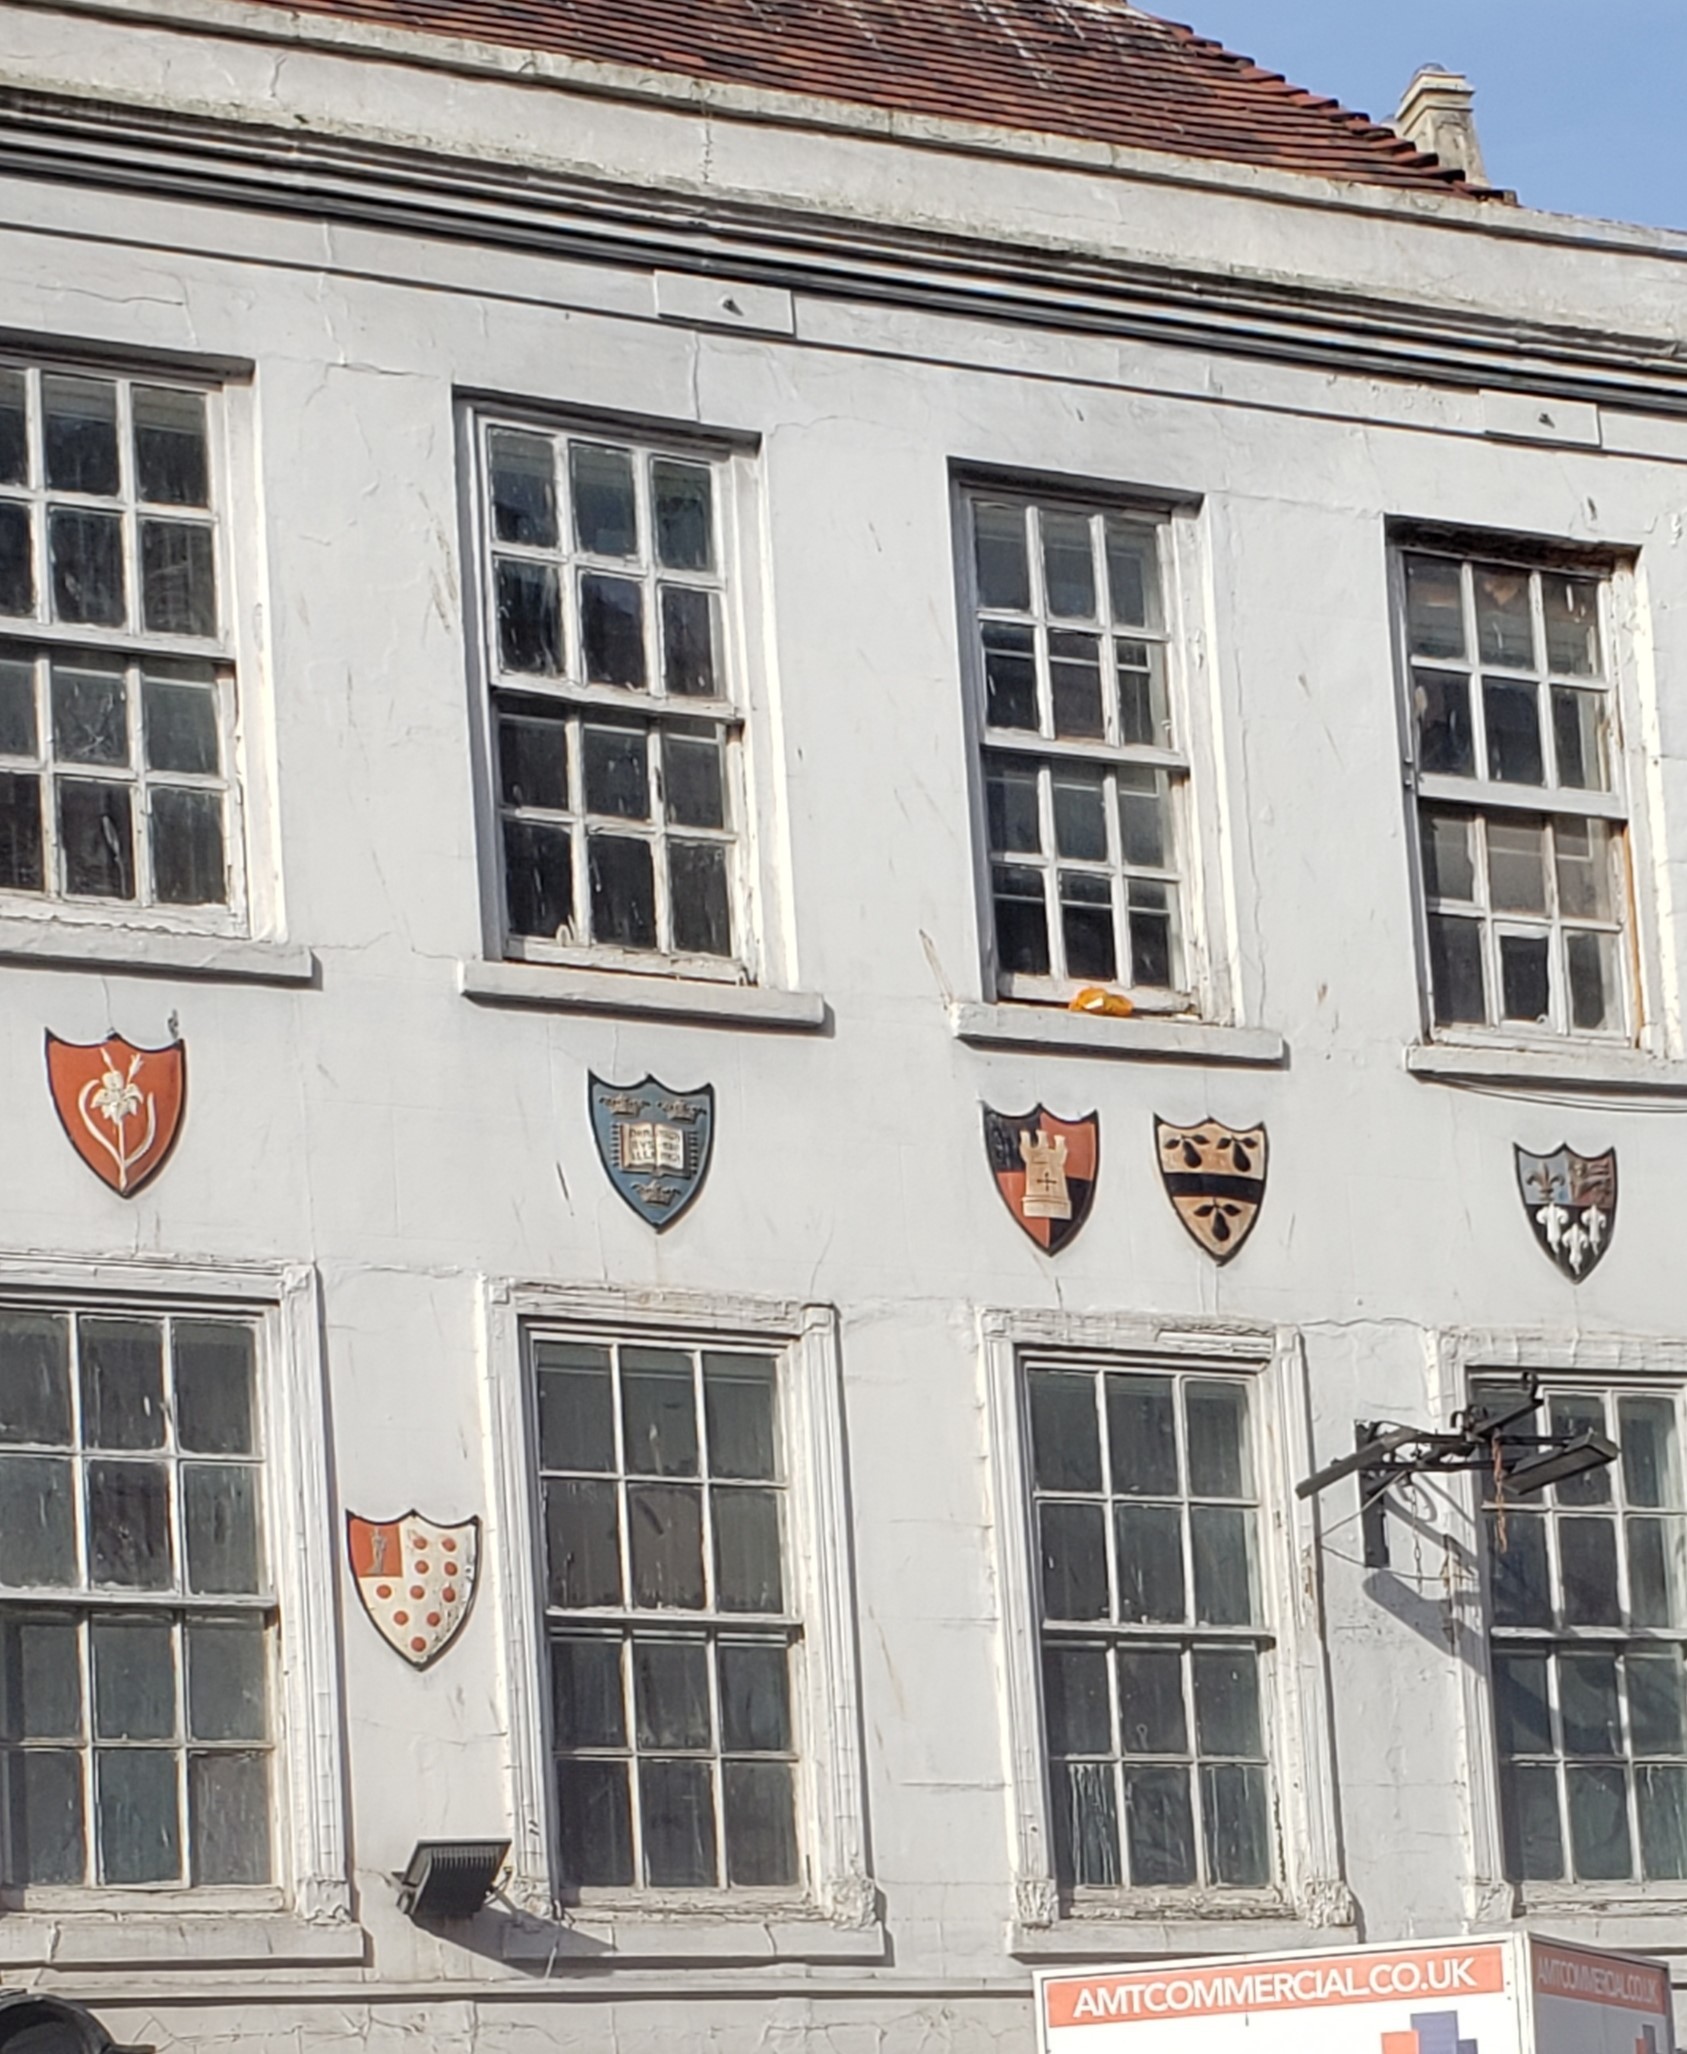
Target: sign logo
[(120, 1106), (1571, 1201), (654, 1143), (416, 1580), (1045, 1170), (1215, 1178)]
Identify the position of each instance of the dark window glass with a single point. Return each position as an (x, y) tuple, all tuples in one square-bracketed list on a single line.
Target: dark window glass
[(538, 880), (612, 630), (80, 434), (623, 889), (529, 617), (697, 885), (22, 864), (17, 568), (523, 476), (178, 579), (96, 839), (87, 553), (1010, 676), (188, 866), (171, 466)]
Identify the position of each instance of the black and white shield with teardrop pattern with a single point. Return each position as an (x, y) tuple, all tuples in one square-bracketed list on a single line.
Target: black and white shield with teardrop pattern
[(1215, 1178), (1571, 1201)]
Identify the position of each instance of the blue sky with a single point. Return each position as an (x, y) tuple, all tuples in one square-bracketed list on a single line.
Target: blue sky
[(1581, 104)]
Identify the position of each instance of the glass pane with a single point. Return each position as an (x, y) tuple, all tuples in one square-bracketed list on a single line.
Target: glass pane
[(1522, 1713), (1585, 882), (1011, 803), (671, 1694), (1004, 578), (1068, 565), (658, 1412), (1516, 865), (1142, 1436), (684, 527), (1446, 742), (1086, 1823), (1152, 1719), (181, 725), (1133, 578), (1662, 1794), (134, 1678), (1651, 1473), (677, 1804), (1587, 1556), (87, 556), (1010, 676), (1221, 1541), (139, 1837), (1075, 679), (1074, 1561), (738, 1404), (1657, 1717), (523, 479), (14, 428), (691, 780), (40, 1678), (747, 1569), (1525, 985), (533, 763), (1065, 1441), (46, 1837), (228, 1817), (90, 713), (1159, 1826), (616, 772), (699, 899), (612, 630), (1513, 714), (1587, 1704), (1655, 1579), (17, 565), (1571, 608), (227, 1679), (220, 1519), (1534, 1845), (1150, 1549), (623, 889), (538, 880), (129, 1525), (1216, 1420), (22, 865), (1578, 1413), (688, 642), (594, 1813), (17, 707), (1517, 1570), (1505, 629), (529, 616), (1455, 970), (1434, 608), (178, 578), (582, 1544), (755, 1706), (588, 1707), (1595, 993), (96, 839), (1086, 925), (1080, 813), (761, 1834), (213, 1376), (188, 864), (1076, 1708), (1227, 1702), (605, 511), (1599, 1842), (1578, 734), (37, 1518), (665, 1527), (1237, 1820), (1144, 828), (1021, 908), (1144, 715), (35, 1379), (576, 1407), (81, 434)]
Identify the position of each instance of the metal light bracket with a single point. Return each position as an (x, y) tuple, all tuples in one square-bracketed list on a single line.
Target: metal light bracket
[(450, 1879)]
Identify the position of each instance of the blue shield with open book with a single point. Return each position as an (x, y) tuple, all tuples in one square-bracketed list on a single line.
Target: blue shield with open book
[(654, 1142)]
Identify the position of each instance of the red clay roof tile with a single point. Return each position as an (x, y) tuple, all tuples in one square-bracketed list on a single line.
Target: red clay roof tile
[(1095, 69)]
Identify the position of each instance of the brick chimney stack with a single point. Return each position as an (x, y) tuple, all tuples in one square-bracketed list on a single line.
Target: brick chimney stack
[(1438, 115)]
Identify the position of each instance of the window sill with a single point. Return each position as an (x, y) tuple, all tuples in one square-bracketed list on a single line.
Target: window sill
[(1576, 1068), (200, 1939), (1145, 1037), (74, 946), (649, 1939), (1150, 1934), (561, 990)]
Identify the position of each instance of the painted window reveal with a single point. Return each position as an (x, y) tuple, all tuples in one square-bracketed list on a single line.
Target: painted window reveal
[(136, 1619), (1520, 814), (616, 733), (1587, 1635), (116, 692), (1083, 775), (671, 1637), (1153, 1639)]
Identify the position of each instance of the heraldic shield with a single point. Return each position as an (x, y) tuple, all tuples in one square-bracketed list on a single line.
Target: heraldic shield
[(1571, 1201), (416, 1580), (1045, 1170), (1215, 1178), (655, 1144), (120, 1106)]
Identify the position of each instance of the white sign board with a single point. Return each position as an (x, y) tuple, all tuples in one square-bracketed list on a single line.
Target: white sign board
[(1513, 1995)]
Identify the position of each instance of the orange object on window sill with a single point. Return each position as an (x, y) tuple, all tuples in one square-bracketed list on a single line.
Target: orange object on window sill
[(1096, 998)]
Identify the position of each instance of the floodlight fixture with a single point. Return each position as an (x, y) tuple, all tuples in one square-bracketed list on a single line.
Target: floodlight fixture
[(450, 1879)]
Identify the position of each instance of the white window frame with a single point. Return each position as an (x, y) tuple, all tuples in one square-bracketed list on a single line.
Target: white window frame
[(1310, 1902), (305, 1913), (833, 1915), (252, 909), (1635, 1913), (1622, 806), (760, 950)]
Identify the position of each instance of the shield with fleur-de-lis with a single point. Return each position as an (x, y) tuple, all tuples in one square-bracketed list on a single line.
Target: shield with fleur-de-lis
[(1571, 1201), (120, 1106), (1215, 1178)]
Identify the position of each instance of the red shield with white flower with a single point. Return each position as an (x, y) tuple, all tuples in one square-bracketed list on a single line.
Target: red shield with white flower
[(416, 1580), (120, 1106)]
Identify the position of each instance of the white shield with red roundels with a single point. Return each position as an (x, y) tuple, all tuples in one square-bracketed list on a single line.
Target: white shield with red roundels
[(416, 1580)]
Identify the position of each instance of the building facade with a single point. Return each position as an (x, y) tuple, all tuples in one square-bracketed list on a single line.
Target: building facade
[(593, 649)]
